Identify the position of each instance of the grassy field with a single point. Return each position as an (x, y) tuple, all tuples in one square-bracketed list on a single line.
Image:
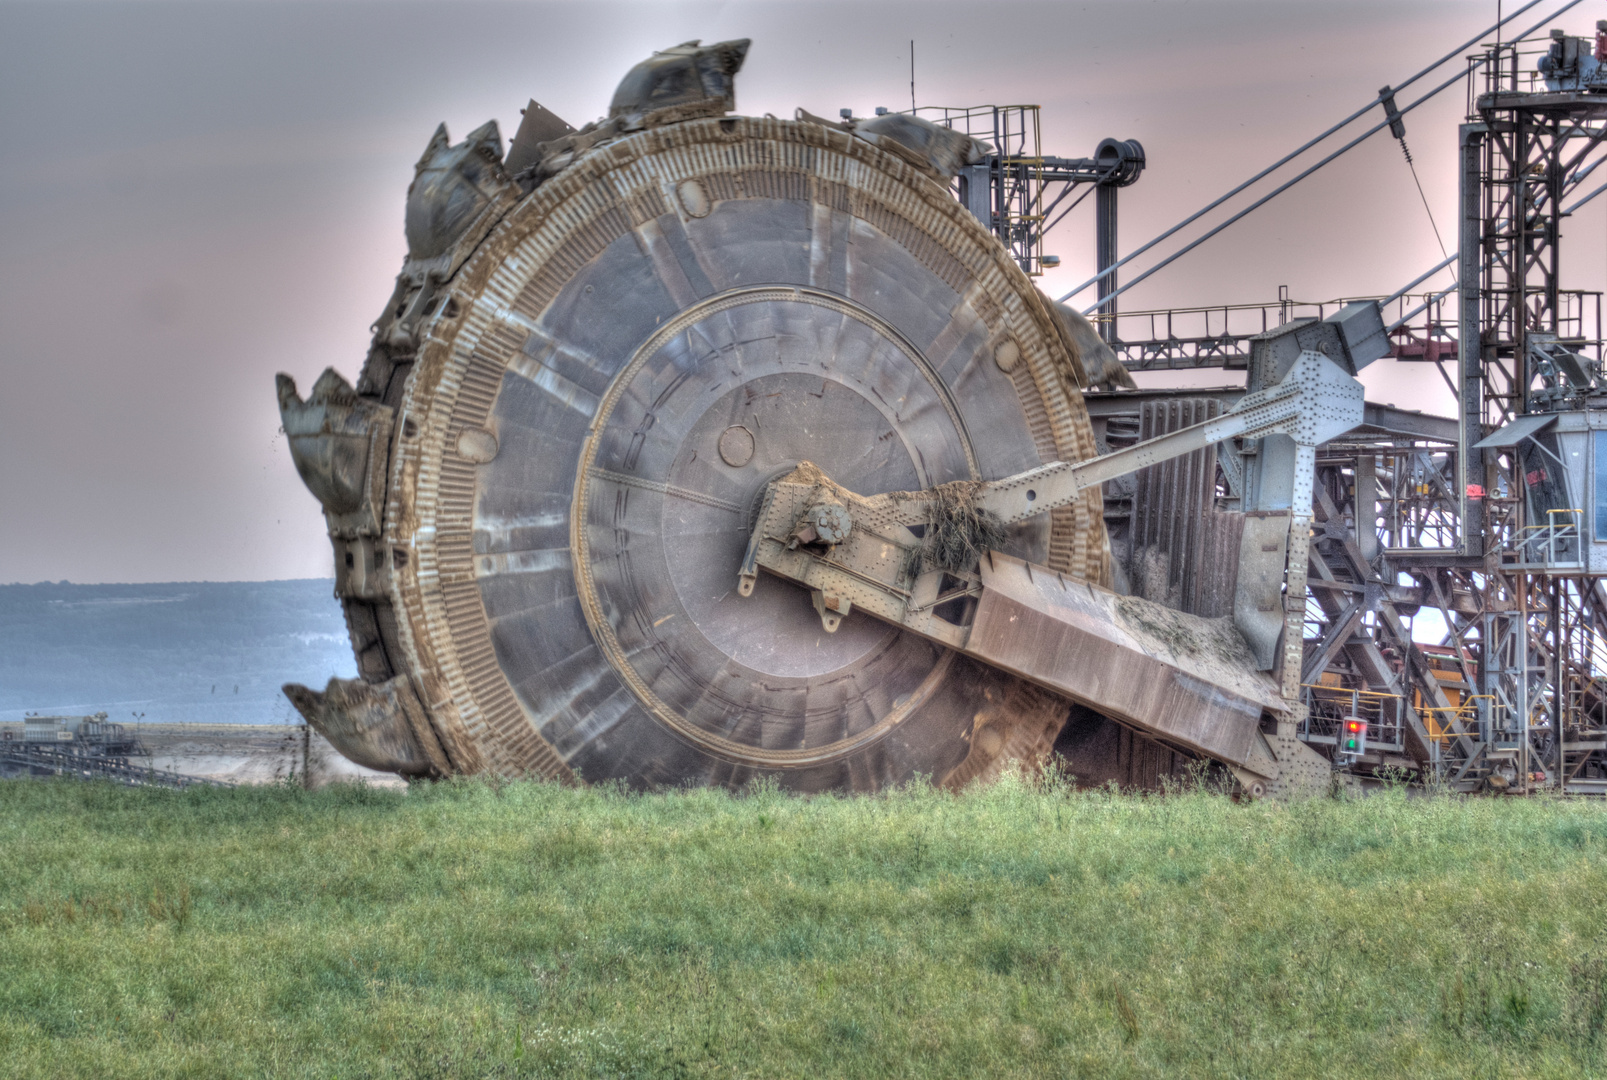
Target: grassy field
[(527, 930)]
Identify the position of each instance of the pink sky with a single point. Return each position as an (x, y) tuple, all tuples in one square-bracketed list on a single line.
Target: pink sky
[(197, 196)]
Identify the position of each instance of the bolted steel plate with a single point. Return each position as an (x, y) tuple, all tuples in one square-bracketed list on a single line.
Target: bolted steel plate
[(630, 356)]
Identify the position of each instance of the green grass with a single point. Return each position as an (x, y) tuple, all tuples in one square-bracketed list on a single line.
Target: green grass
[(466, 930)]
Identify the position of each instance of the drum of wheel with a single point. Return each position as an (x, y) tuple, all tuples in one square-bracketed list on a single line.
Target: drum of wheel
[(540, 489)]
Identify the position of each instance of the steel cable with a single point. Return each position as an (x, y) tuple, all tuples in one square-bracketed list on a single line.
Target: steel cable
[(1291, 183), (1297, 152)]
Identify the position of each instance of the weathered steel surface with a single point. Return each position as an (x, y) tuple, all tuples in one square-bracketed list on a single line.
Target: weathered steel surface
[(1190, 681), (360, 717), (587, 390), (1175, 521), (1259, 600), (1183, 679)]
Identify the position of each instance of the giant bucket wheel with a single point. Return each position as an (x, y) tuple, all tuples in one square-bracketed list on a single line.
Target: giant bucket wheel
[(601, 392)]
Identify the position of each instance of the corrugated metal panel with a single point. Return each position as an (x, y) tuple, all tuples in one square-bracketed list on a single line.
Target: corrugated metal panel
[(1183, 552)]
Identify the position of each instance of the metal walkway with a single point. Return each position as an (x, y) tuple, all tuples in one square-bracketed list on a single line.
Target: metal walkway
[(22, 760)]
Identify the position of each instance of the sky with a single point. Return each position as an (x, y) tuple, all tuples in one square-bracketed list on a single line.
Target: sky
[(196, 196)]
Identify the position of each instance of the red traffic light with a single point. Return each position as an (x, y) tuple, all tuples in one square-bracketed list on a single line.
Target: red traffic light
[(1354, 740)]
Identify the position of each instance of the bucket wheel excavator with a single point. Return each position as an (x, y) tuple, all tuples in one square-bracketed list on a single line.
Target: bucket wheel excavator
[(693, 448)]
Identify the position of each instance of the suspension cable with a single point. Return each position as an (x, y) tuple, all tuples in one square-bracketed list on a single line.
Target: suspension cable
[(1415, 282), (1410, 315), (1291, 183), (1572, 182), (1297, 152)]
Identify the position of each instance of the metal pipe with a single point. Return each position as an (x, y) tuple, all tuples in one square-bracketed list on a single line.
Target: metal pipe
[(1415, 282), (1418, 310), (1583, 200), (1105, 219)]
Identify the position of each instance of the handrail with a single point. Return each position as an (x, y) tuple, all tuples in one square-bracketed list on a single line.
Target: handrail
[(1539, 544), (1466, 710), (1349, 690)]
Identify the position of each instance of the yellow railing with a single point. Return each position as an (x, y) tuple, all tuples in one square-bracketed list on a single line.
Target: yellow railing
[(1438, 720), (1545, 545), (1339, 694)]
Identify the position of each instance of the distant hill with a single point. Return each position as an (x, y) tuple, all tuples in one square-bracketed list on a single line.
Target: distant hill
[(197, 652)]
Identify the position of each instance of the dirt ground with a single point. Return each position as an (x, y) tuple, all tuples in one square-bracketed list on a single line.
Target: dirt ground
[(247, 753)]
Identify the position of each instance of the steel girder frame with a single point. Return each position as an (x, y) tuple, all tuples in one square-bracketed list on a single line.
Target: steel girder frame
[(1534, 635), (1354, 633)]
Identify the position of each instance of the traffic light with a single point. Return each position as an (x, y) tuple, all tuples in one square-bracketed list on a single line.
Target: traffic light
[(1353, 737)]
